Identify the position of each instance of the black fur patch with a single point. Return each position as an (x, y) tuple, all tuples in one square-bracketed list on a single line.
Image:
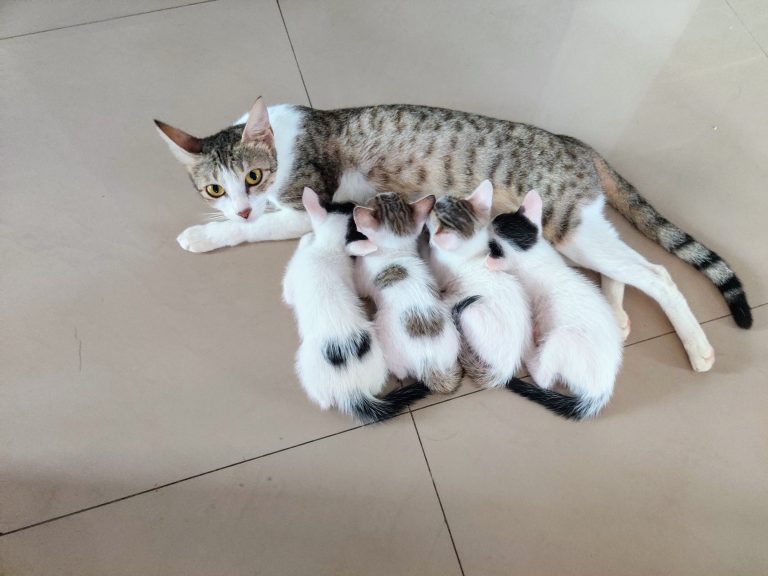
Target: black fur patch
[(338, 352), (353, 234), (459, 307), (496, 249), (517, 229), (368, 409), (339, 207)]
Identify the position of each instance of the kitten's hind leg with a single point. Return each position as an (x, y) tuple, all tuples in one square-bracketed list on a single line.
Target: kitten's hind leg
[(614, 293), (282, 224), (595, 244)]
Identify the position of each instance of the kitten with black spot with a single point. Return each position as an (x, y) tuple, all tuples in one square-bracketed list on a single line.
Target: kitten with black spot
[(490, 308), (412, 323), (340, 362), (578, 341)]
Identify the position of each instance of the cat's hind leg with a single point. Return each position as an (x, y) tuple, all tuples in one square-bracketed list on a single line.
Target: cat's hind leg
[(595, 244), (614, 294)]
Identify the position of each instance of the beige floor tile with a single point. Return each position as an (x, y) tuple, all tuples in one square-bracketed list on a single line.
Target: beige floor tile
[(754, 16), (126, 362), (359, 503), (645, 83), (27, 16), (669, 480)]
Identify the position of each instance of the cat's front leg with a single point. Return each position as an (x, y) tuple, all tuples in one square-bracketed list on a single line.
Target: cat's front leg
[(282, 224)]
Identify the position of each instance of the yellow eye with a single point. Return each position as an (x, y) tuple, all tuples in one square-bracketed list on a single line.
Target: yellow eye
[(214, 190), (253, 177)]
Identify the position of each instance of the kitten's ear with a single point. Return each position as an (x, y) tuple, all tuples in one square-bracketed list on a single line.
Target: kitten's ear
[(258, 128), (421, 209), (365, 220), (495, 263), (184, 146), (532, 206), (360, 248), (482, 198), (312, 204), (446, 240)]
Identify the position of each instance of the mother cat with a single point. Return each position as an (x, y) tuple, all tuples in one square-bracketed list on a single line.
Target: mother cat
[(255, 175)]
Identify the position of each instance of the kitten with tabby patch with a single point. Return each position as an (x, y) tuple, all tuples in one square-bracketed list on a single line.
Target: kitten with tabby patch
[(490, 308), (412, 323), (254, 176), (578, 343), (339, 362)]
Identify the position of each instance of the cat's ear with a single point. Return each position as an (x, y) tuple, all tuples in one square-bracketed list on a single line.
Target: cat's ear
[(532, 206), (258, 128), (365, 220), (421, 209), (360, 248), (445, 239), (312, 204), (481, 199), (184, 146)]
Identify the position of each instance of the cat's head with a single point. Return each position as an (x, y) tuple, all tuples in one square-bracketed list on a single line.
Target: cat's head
[(515, 233), (390, 222), (233, 168), (460, 225)]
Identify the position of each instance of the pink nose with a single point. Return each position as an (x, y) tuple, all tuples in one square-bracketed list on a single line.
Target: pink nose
[(244, 213)]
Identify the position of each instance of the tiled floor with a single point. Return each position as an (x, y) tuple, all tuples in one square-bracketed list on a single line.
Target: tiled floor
[(150, 422)]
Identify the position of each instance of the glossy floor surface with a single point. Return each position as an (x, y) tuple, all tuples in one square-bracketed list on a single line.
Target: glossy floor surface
[(150, 421)]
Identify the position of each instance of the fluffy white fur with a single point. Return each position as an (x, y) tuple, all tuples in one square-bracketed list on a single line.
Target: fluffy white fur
[(579, 342), (319, 286), (497, 327), (430, 359)]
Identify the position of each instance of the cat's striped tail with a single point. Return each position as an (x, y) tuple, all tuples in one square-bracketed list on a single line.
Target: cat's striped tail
[(571, 407), (368, 409), (628, 201)]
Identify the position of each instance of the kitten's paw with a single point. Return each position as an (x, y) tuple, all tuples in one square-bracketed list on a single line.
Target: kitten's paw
[(196, 239), (625, 327), (702, 356)]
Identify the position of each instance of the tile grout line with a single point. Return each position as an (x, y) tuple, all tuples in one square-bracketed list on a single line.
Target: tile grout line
[(746, 28), (439, 500), (247, 460), (179, 481), (295, 58), (106, 19)]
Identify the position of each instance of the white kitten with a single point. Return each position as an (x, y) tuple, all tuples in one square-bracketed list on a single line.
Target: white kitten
[(413, 325), (490, 308), (579, 341), (340, 362)]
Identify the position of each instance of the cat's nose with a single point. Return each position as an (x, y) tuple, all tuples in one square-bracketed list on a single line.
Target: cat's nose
[(244, 213)]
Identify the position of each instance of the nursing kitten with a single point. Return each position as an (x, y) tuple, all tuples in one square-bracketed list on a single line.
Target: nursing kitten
[(490, 308), (413, 325), (578, 341), (339, 362)]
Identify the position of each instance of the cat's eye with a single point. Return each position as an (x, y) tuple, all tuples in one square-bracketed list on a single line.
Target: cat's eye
[(214, 191), (253, 177)]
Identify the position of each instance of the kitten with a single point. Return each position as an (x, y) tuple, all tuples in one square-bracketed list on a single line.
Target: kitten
[(490, 308), (352, 153), (579, 342), (339, 362), (413, 325)]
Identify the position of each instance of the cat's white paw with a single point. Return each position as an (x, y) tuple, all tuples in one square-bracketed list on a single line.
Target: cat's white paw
[(625, 325), (702, 356), (196, 239)]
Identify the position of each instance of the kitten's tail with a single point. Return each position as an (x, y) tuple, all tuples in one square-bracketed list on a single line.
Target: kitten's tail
[(571, 407), (368, 409), (628, 201)]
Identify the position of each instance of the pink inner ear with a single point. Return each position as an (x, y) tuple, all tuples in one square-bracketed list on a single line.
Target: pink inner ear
[(312, 204), (482, 198), (494, 263), (532, 205), (258, 127), (365, 220), (421, 209)]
